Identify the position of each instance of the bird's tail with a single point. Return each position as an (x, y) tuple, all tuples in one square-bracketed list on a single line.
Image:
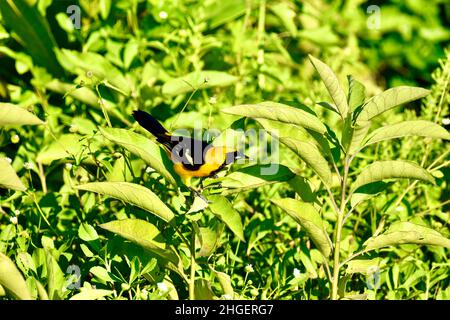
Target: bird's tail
[(152, 125)]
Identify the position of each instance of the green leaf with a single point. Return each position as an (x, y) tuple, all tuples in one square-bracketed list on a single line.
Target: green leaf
[(32, 31), (86, 232), (91, 294), (368, 191), (81, 63), (209, 238), (286, 15), (307, 216), (101, 274), (142, 233), (9, 178), (279, 112), (133, 194), (332, 84), (225, 283), (219, 13), (11, 280), (407, 233), (303, 188), (419, 128), (11, 114), (224, 210), (202, 290), (390, 99), (67, 146), (358, 133), (145, 149), (364, 266), (312, 156), (356, 93), (381, 170), (197, 80), (254, 176), (56, 281), (105, 7)]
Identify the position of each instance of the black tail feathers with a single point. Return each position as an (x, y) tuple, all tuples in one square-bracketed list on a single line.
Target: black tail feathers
[(152, 125)]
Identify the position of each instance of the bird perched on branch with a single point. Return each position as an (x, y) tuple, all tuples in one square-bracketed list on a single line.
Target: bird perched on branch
[(191, 157)]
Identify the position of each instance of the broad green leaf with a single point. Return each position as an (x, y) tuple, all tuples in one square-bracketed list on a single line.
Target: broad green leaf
[(303, 188), (145, 149), (11, 114), (209, 238), (197, 80), (199, 204), (312, 157), (105, 7), (67, 146), (407, 233), (332, 84), (390, 99), (203, 291), (397, 169), (286, 15), (133, 194), (307, 216), (9, 178), (366, 267), (224, 210), (86, 232), (359, 132), (101, 274), (356, 94), (254, 176), (419, 128), (225, 283), (279, 112), (91, 294), (219, 13), (144, 234), (11, 280), (367, 191), (32, 31), (82, 63), (56, 280)]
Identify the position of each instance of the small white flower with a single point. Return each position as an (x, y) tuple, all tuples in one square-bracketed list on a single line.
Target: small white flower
[(69, 166), (297, 273), (8, 160), (15, 139), (13, 220), (73, 128), (249, 268), (28, 165), (162, 287), (163, 15), (446, 121), (213, 100), (17, 212), (149, 169), (226, 297), (89, 74)]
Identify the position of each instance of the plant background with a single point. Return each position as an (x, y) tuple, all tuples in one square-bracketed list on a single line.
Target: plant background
[(142, 49)]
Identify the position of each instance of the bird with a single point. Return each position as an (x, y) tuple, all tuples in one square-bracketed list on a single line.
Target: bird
[(192, 158)]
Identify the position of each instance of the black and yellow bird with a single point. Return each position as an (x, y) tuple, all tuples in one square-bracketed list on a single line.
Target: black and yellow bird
[(191, 157)]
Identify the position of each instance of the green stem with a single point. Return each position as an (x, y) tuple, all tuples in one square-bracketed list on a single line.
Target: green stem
[(192, 277)]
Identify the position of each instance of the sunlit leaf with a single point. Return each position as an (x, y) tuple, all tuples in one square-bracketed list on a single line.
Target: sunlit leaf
[(307, 216), (390, 99), (91, 294), (11, 114), (332, 84), (312, 156), (197, 80), (279, 112), (356, 95), (11, 280), (419, 128), (145, 149), (381, 170), (224, 210), (9, 178), (133, 194), (366, 267), (407, 233)]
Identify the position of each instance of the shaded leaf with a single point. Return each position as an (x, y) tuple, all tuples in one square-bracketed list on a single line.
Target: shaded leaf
[(381, 170), (390, 99), (307, 216), (279, 112), (312, 156), (407, 233), (356, 94), (11, 114), (332, 84), (133, 194), (9, 178)]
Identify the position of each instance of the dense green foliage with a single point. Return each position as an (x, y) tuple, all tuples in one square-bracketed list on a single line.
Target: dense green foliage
[(90, 207)]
